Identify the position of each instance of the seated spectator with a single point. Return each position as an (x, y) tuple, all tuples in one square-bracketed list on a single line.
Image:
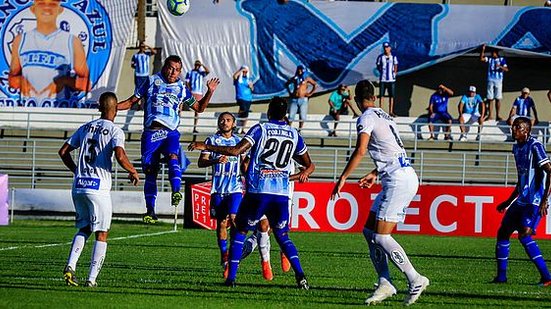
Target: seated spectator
[(338, 105), (438, 110), (471, 107), (522, 106)]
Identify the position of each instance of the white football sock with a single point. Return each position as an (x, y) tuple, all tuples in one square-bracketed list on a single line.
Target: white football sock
[(378, 256), (397, 255), (98, 256), (264, 246), (79, 241)]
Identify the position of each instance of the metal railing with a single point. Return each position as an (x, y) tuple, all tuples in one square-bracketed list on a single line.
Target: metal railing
[(34, 163)]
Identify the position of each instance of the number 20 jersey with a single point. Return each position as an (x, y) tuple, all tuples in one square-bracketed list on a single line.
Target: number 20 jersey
[(96, 140), (273, 146)]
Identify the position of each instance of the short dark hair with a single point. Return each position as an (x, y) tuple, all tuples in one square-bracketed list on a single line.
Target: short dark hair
[(525, 120), (277, 109), (172, 58), (364, 90), (226, 113), (107, 99)]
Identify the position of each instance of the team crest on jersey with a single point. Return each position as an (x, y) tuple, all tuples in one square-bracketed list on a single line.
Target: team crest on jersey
[(88, 21), (157, 82)]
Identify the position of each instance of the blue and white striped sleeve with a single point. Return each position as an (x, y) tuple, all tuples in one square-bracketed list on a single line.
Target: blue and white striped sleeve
[(539, 154)]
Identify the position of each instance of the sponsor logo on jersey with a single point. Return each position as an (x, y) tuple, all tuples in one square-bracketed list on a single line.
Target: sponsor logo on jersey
[(87, 183)]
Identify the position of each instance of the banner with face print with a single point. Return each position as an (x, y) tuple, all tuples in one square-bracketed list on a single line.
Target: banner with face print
[(61, 53)]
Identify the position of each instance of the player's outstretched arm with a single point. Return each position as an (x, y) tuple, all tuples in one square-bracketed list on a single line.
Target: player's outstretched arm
[(236, 150), (355, 159), (133, 176), (127, 104), (206, 161), (65, 155), (202, 104)]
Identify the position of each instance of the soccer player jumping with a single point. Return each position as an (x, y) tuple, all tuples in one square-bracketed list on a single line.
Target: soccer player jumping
[(378, 134), (162, 97), (273, 146), (527, 203)]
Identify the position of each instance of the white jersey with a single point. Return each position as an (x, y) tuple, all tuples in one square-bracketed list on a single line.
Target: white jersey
[(96, 141), (385, 146), (44, 57)]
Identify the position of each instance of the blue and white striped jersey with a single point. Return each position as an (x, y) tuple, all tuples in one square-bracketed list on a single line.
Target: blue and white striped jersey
[(385, 65), (141, 63), (273, 146), (495, 73), (163, 101), (529, 158), (226, 177), (523, 106), (195, 78)]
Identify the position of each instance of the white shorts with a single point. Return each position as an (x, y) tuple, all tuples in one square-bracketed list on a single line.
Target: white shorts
[(399, 188), (94, 210), (470, 118), (495, 88)]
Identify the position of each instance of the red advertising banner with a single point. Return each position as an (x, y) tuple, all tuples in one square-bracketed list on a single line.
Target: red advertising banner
[(435, 210)]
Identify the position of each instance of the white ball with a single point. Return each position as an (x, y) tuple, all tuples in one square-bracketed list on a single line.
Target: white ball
[(177, 7)]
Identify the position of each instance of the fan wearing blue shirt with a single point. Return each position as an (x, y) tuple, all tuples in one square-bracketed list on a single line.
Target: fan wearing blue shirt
[(527, 204), (496, 67), (438, 110), (471, 108), (524, 106), (140, 63)]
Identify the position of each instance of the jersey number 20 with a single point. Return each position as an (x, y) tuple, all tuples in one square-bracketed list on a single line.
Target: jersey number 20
[(280, 150)]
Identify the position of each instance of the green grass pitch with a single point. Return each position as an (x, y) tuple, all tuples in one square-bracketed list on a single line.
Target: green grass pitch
[(181, 269)]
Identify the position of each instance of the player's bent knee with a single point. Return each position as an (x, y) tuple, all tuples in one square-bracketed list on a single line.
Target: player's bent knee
[(101, 236), (87, 231)]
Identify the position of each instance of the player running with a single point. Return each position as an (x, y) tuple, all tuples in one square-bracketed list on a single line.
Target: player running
[(227, 188), (378, 135), (97, 140), (164, 94), (273, 145), (527, 203)]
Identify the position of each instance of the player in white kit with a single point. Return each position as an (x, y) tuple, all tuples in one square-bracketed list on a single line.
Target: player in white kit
[(378, 135), (97, 140)]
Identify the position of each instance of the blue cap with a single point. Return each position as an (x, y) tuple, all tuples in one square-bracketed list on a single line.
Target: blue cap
[(386, 44)]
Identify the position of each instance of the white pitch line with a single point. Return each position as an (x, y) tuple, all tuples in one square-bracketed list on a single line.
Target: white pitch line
[(68, 243)]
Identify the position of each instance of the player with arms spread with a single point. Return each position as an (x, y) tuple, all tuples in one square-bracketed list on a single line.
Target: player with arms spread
[(164, 94), (227, 188), (527, 203), (97, 141), (273, 146), (378, 134)]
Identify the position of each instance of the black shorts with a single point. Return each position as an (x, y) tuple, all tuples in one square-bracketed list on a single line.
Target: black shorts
[(244, 108)]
